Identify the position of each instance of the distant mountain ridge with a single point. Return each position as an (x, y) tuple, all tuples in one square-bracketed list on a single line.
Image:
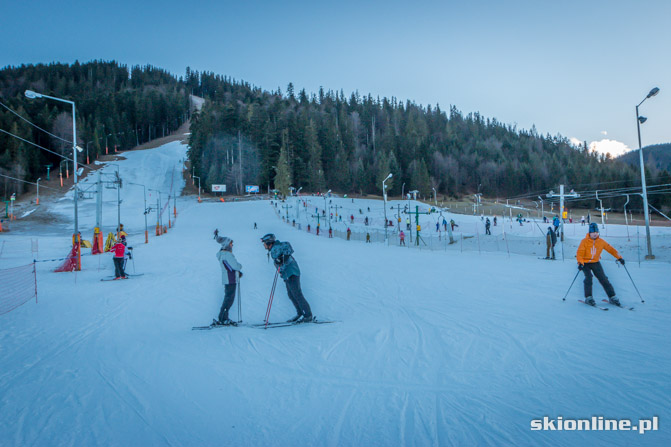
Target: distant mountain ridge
[(656, 155)]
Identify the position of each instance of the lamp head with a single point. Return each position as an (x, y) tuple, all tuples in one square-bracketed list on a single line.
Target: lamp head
[(32, 95), (642, 119), (652, 93), (389, 176)]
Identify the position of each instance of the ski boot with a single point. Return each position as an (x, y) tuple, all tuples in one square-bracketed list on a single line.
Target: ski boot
[(294, 319), (614, 301), (305, 319), (589, 300)]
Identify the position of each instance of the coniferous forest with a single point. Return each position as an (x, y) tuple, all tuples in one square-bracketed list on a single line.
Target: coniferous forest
[(328, 141), (280, 139), (116, 106)]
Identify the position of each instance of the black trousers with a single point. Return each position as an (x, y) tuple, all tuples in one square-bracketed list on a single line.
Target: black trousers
[(596, 269), (296, 296), (118, 267), (229, 297)]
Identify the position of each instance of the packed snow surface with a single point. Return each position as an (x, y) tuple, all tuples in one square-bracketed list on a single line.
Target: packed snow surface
[(442, 347)]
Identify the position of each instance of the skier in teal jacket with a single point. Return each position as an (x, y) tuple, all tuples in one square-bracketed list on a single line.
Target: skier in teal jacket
[(281, 252)]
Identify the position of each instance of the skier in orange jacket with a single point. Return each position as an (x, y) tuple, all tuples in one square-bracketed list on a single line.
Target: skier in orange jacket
[(588, 255)]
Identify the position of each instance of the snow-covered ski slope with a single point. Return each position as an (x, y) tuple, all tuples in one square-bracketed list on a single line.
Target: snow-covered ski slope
[(432, 347)]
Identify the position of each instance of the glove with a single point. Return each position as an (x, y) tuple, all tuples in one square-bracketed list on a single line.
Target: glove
[(580, 267), (130, 255), (240, 274), (621, 261), (277, 262)]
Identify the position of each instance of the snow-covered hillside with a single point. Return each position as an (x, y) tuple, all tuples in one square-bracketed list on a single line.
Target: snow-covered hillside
[(431, 347)]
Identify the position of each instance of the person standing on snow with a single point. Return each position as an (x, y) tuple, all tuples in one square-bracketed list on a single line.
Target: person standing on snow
[(401, 235), (119, 250), (488, 224), (551, 241), (121, 232), (230, 274), (588, 255), (281, 252)]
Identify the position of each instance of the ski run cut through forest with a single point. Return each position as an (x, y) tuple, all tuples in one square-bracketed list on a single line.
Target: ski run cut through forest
[(462, 343)]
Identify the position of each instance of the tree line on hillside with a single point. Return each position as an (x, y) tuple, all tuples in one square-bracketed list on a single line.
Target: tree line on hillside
[(116, 106), (656, 157), (245, 135)]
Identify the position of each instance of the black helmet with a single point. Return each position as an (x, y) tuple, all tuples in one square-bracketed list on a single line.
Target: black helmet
[(268, 238)]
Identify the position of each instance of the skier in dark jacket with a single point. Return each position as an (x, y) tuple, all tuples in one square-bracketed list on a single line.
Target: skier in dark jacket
[(555, 223), (551, 241), (281, 252), (488, 224)]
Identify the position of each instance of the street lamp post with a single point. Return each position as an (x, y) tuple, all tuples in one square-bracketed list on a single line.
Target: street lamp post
[(327, 193), (37, 202), (159, 221), (195, 176), (384, 196), (117, 181), (640, 120), (146, 228), (32, 95)]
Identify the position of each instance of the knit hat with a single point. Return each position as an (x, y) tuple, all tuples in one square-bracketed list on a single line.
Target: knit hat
[(224, 241), (593, 227)]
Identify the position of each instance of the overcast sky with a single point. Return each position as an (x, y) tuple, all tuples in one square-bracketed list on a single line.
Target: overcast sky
[(575, 68)]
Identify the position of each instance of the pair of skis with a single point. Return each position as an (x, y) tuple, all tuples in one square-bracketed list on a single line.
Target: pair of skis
[(128, 276), (606, 308), (260, 325)]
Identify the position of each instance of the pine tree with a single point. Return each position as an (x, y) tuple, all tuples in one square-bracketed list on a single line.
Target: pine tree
[(315, 170), (283, 177)]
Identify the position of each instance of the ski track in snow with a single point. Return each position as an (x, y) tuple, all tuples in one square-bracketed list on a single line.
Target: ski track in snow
[(431, 348)]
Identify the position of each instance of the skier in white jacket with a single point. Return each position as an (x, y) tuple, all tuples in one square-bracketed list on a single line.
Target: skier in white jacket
[(230, 272)]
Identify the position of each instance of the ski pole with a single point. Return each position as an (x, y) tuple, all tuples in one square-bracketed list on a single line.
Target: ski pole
[(632, 281), (239, 301), (569, 288), (272, 293)]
